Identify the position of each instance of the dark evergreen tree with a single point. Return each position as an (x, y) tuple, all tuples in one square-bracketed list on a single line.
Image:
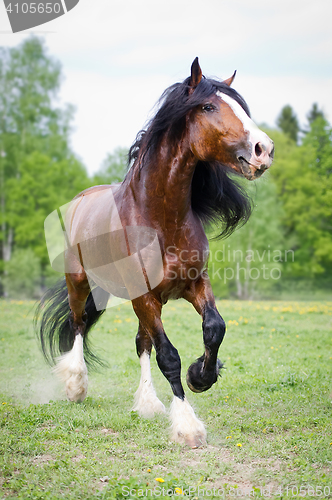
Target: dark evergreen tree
[(287, 121)]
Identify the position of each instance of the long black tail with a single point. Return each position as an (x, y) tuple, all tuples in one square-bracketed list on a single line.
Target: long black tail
[(52, 322)]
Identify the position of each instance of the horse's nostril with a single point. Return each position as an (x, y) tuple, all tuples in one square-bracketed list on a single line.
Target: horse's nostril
[(258, 149), (271, 155)]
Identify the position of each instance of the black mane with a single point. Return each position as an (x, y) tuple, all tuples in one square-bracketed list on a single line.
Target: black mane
[(216, 197)]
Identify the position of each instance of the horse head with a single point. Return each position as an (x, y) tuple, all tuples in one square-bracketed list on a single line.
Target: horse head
[(220, 127)]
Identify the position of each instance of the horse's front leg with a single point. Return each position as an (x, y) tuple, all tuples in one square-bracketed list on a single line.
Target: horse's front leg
[(204, 372), (186, 427)]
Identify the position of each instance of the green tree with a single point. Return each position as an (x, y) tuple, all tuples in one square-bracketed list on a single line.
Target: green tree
[(29, 121), (314, 113), (38, 171), (22, 278), (42, 186), (287, 121), (304, 183), (113, 168)]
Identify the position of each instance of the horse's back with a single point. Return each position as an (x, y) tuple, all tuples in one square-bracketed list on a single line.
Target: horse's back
[(94, 189)]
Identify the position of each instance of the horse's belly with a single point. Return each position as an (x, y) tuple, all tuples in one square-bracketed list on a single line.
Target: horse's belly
[(180, 272)]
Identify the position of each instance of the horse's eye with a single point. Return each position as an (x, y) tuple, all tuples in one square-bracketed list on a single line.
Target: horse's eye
[(208, 107)]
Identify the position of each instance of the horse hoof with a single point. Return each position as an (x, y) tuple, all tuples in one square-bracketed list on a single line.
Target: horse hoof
[(199, 380), (195, 442), (186, 427), (191, 387)]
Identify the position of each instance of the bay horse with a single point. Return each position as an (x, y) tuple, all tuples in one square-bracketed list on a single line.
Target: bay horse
[(178, 182)]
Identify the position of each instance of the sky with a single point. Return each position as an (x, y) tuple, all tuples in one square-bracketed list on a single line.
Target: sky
[(118, 56)]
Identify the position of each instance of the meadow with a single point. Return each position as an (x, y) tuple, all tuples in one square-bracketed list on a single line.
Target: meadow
[(268, 417)]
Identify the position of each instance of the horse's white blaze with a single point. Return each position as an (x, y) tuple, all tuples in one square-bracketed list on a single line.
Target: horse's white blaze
[(186, 427), (146, 402), (72, 370), (255, 134)]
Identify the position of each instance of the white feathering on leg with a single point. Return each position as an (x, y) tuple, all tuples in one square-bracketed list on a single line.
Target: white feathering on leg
[(186, 427), (72, 370), (146, 402)]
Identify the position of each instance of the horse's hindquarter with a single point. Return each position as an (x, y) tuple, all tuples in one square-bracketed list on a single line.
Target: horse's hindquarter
[(94, 227), (93, 213)]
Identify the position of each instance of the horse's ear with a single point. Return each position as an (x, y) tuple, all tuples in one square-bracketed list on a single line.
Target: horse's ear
[(196, 75), (230, 80)]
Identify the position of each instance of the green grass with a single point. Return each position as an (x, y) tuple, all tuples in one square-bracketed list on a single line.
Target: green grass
[(274, 399)]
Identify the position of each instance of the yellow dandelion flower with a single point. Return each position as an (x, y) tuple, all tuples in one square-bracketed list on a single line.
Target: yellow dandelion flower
[(178, 491), (149, 470), (228, 437), (159, 479), (239, 445)]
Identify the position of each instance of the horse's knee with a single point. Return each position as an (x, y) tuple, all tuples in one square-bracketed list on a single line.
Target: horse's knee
[(214, 329)]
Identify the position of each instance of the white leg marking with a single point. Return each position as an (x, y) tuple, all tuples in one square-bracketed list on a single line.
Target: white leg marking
[(186, 427), (146, 402), (71, 369)]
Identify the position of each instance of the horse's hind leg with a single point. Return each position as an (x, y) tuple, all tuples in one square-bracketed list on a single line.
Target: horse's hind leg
[(186, 427), (204, 372), (146, 401), (71, 366)]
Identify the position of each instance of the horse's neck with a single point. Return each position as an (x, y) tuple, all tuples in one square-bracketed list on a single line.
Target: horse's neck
[(166, 182)]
